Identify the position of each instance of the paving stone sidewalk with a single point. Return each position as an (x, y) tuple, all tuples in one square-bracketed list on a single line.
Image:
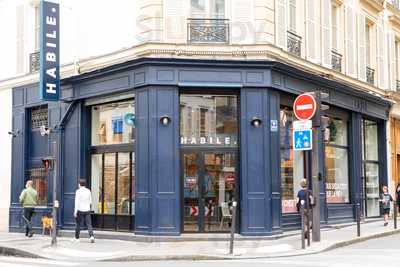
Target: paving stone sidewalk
[(122, 250)]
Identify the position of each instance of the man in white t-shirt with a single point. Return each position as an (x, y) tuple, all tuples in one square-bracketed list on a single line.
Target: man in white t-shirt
[(83, 202)]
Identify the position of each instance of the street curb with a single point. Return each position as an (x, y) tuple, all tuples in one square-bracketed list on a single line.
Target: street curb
[(10, 251), (233, 257)]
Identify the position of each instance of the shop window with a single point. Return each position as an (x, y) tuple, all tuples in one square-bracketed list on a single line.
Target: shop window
[(113, 123), (208, 120), (337, 162), (112, 183), (39, 179), (292, 163), (39, 117)]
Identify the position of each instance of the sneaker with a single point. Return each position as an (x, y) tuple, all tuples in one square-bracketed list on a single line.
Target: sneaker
[(91, 239), (75, 240), (30, 234), (385, 224)]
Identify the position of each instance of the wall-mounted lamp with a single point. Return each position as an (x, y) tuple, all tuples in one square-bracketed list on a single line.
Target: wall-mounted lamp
[(44, 130), (14, 133), (165, 120), (256, 122)]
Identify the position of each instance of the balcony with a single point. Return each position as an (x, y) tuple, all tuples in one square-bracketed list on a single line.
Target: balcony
[(34, 61), (294, 43), (208, 31), (398, 85), (336, 61), (370, 74)]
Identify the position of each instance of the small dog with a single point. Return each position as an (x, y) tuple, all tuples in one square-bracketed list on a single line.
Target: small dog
[(47, 223)]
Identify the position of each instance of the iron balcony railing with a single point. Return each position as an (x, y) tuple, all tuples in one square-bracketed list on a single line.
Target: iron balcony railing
[(370, 73), (208, 30), (34, 61), (336, 61), (398, 85), (294, 43)]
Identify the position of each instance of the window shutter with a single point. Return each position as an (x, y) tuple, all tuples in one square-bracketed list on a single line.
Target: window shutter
[(311, 54), (362, 63), (349, 39), (392, 60), (281, 24), (243, 22), (175, 21), (382, 78), (326, 25), (20, 45)]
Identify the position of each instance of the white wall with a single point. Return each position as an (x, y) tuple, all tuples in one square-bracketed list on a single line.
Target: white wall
[(5, 162)]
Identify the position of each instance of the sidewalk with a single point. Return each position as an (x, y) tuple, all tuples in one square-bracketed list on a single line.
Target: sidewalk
[(119, 250)]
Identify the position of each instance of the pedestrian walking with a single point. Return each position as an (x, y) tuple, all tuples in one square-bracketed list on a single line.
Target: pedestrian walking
[(398, 197), (83, 202), (28, 198), (385, 200), (305, 195)]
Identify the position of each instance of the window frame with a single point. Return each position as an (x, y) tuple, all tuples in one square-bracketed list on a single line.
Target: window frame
[(344, 117)]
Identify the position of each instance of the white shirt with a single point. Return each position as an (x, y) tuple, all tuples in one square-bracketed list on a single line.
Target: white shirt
[(83, 199)]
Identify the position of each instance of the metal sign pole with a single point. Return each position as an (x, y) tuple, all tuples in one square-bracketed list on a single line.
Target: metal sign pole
[(233, 226), (303, 242), (55, 202)]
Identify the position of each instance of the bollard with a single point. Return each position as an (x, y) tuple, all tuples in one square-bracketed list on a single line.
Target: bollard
[(233, 226), (395, 214), (358, 217), (303, 242)]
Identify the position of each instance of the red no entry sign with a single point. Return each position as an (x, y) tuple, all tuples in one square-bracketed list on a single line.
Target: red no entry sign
[(304, 107)]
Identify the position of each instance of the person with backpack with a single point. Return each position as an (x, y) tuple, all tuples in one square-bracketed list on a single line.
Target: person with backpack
[(29, 199), (305, 195)]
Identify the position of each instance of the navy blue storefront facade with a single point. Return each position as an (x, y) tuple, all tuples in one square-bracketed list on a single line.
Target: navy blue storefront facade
[(155, 175)]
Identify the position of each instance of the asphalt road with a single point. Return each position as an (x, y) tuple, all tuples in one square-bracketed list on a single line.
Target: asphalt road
[(376, 252)]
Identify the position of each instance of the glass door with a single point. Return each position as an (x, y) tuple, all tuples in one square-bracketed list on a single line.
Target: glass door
[(209, 187), (112, 186), (371, 167)]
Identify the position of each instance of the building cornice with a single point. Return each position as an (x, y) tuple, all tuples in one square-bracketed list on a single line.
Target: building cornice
[(377, 5), (184, 51)]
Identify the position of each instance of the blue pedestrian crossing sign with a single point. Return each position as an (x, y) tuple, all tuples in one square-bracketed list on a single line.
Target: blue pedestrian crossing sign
[(302, 140)]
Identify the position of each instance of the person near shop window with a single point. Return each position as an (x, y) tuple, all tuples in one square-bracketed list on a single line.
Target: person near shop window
[(385, 200), (28, 199), (83, 202)]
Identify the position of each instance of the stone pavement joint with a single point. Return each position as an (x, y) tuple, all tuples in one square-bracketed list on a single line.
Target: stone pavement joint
[(16, 244)]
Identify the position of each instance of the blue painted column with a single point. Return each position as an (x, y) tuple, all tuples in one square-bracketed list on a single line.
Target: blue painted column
[(356, 174), (18, 166), (158, 207), (260, 163)]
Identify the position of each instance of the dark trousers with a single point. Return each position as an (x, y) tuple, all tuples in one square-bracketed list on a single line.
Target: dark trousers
[(27, 216), (85, 217)]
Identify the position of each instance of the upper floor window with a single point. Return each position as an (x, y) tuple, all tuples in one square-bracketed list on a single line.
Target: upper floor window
[(292, 16), (113, 123), (368, 44), (211, 9), (37, 28), (335, 27)]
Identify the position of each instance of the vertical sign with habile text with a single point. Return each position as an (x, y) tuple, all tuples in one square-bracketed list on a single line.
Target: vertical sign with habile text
[(49, 50)]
